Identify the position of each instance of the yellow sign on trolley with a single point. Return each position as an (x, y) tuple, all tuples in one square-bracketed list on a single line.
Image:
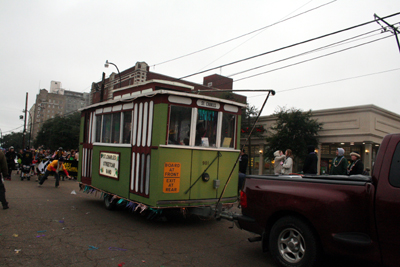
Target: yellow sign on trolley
[(172, 175)]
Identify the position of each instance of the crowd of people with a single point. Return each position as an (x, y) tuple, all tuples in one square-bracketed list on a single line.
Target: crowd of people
[(32, 157), (283, 164), (340, 166)]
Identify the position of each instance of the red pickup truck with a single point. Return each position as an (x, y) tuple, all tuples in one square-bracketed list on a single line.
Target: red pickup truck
[(298, 218)]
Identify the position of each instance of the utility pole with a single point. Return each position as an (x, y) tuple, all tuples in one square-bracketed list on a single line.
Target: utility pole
[(24, 133), (102, 87), (394, 29)]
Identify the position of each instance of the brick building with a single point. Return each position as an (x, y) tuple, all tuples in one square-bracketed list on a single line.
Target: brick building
[(139, 79)]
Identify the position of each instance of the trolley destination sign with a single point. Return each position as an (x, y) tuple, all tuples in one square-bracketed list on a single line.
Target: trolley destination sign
[(109, 164), (172, 174)]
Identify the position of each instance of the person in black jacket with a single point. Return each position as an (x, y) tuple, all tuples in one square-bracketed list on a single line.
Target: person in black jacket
[(356, 166), (310, 163), (243, 162), (10, 157), (4, 171)]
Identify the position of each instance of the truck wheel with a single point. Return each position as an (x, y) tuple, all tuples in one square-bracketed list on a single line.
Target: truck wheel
[(293, 243), (110, 205)]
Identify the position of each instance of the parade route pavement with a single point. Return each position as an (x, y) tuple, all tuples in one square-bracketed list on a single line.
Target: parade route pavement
[(48, 226)]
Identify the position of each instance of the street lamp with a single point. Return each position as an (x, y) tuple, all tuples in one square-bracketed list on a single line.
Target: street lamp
[(106, 66)]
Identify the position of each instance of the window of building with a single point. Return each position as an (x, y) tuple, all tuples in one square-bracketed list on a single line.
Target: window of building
[(206, 128), (179, 125), (228, 130)]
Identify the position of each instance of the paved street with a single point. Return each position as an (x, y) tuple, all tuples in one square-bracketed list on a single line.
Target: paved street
[(49, 226)]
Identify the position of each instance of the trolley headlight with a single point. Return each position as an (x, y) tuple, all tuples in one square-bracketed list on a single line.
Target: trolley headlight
[(205, 177)]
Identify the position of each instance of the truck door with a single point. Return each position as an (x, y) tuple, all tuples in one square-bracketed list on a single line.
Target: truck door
[(388, 202)]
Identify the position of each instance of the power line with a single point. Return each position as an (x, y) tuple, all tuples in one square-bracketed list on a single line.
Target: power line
[(300, 62), (13, 129), (307, 52), (257, 35), (243, 35), (286, 47), (334, 81)]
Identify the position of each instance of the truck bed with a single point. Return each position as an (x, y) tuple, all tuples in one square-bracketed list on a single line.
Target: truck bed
[(327, 179)]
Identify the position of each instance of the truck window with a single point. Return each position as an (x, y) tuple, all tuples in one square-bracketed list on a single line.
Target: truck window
[(179, 125), (394, 175)]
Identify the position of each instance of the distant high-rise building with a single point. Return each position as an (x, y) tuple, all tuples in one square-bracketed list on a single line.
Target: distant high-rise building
[(57, 102)]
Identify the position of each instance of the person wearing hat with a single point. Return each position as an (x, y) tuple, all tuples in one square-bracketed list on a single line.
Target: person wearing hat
[(10, 157), (356, 166), (53, 168), (339, 164)]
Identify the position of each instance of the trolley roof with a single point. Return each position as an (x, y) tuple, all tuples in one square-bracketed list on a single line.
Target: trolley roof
[(162, 92)]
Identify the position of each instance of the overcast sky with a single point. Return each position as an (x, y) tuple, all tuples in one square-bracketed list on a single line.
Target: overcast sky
[(69, 41)]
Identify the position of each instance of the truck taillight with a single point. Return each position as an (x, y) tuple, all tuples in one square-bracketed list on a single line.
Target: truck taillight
[(243, 199)]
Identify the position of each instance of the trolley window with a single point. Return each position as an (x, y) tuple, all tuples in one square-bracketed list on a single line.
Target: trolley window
[(116, 127), (228, 130), (106, 133), (179, 125), (98, 128), (206, 128), (127, 115)]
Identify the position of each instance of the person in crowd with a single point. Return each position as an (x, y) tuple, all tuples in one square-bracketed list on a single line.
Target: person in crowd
[(39, 157), (53, 168), (10, 158), (59, 153), (311, 161), (19, 159), (26, 159), (77, 155), (287, 167), (71, 155), (366, 171), (243, 162), (33, 163), (279, 159), (4, 171), (339, 163), (356, 166)]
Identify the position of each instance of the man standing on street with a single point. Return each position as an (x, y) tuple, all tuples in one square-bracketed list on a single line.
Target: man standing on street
[(4, 171), (10, 156)]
